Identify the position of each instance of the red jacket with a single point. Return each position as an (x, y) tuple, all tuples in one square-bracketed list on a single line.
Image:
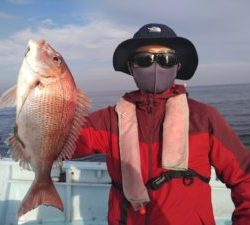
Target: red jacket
[(212, 142)]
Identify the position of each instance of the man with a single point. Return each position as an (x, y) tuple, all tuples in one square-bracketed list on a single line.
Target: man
[(160, 144)]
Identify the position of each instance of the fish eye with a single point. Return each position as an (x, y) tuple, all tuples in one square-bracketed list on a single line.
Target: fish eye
[(57, 59)]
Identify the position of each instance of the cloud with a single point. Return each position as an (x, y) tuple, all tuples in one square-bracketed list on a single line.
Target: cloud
[(20, 2), (93, 41), (6, 16), (180, 13), (219, 33), (222, 40), (205, 23), (87, 49), (47, 23)]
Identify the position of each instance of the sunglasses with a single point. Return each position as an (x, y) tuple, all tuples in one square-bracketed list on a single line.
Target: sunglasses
[(145, 59)]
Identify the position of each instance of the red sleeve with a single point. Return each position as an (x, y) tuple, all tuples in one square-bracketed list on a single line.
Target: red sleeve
[(94, 136), (231, 160)]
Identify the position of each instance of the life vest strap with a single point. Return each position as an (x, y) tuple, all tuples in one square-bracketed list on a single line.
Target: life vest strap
[(165, 177), (186, 175)]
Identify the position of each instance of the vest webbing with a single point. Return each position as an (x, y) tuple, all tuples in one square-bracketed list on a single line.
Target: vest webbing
[(156, 183)]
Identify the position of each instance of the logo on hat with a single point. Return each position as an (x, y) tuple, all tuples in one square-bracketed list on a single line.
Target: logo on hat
[(154, 29)]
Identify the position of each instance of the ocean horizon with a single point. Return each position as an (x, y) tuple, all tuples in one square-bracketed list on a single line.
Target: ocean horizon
[(231, 100)]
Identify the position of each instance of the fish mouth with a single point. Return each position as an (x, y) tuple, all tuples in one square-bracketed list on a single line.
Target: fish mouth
[(40, 50), (43, 60), (41, 42), (36, 46)]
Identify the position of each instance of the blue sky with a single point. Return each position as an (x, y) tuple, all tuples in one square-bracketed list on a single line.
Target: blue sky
[(86, 33)]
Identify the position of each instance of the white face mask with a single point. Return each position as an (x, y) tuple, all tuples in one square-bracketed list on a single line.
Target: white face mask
[(154, 78)]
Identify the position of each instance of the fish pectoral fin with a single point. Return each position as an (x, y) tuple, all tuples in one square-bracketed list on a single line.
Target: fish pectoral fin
[(34, 83), (81, 112), (17, 151), (8, 99)]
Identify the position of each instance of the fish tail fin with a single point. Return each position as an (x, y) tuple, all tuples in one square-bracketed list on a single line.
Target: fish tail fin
[(40, 194)]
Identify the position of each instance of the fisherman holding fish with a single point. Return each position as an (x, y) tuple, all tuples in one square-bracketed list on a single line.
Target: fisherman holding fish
[(161, 144)]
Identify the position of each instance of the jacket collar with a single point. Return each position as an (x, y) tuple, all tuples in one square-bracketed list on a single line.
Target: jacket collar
[(141, 98)]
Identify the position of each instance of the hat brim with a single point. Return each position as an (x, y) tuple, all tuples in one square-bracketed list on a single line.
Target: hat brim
[(185, 49)]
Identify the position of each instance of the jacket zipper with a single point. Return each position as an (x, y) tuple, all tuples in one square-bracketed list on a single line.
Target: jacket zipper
[(150, 172), (151, 112)]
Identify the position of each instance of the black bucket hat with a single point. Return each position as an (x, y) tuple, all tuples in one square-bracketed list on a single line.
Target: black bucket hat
[(163, 35)]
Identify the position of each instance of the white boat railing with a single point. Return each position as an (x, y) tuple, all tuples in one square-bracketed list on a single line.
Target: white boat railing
[(84, 192)]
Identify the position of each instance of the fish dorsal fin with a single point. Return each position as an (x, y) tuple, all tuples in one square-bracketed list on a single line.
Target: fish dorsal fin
[(82, 109), (8, 99), (17, 151)]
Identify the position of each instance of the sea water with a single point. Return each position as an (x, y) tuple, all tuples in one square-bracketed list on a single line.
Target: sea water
[(232, 101)]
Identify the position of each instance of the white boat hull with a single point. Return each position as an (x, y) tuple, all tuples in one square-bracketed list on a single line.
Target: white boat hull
[(84, 194)]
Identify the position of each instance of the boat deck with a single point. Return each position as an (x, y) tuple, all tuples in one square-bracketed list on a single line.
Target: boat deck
[(83, 187)]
